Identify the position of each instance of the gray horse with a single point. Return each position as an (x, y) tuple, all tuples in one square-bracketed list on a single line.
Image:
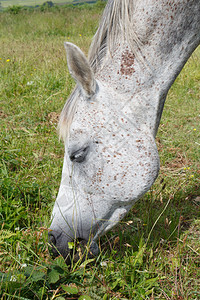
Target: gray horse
[(110, 121)]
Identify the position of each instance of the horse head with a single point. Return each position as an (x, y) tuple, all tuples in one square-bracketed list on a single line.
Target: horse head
[(110, 159)]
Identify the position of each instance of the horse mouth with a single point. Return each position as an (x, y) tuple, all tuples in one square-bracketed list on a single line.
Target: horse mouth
[(79, 250)]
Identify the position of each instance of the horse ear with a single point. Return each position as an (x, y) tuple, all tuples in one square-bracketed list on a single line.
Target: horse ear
[(80, 69)]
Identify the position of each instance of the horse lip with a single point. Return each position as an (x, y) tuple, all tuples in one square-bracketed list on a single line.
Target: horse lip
[(94, 248)]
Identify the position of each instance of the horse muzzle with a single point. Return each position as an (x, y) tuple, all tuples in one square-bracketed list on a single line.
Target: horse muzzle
[(71, 250)]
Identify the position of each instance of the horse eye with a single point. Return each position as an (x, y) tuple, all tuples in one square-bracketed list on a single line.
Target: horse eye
[(79, 155)]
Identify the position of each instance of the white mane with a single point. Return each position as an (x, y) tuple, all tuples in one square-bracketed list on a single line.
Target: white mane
[(117, 25)]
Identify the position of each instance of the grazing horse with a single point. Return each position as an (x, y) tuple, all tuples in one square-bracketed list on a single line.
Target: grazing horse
[(110, 121)]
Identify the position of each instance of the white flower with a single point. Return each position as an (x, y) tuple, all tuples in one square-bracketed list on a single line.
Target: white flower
[(104, 264), (13, 278), (29, 82)]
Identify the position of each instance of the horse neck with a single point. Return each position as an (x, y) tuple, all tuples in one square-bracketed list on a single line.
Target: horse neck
[(168, 33)]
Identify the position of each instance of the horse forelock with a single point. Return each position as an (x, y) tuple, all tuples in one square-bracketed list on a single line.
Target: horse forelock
[(67, 114), (116, 26)]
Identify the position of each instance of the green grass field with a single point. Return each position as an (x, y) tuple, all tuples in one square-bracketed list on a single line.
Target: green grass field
[(7, 3), (154, 252)]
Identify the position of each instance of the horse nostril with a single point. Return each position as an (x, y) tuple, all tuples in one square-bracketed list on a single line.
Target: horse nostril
[(52, 239)]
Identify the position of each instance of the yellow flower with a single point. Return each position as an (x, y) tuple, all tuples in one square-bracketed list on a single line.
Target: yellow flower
[(80, 35), (191, 176), (194, 129), (8, 60)]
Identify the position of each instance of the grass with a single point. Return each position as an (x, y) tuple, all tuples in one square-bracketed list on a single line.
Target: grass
[(15, 5), (154, 252), (7, 3)]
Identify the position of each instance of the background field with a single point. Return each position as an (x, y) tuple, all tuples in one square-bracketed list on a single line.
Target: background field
[(7, 3), (154, 252)]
